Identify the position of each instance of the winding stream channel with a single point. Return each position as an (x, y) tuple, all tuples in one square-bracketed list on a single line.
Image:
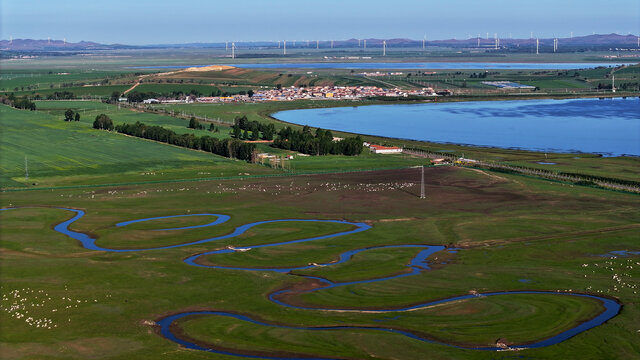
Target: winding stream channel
[(417, 265)]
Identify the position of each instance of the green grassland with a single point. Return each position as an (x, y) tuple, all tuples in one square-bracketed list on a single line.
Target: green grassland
[(69, 153), (509, 228), (92, 91), (39, 79)]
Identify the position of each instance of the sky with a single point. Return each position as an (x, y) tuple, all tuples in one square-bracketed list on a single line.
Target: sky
[(139, 22)]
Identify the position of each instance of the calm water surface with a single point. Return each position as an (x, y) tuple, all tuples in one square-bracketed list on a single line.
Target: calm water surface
[(405, 66), (610, 126)]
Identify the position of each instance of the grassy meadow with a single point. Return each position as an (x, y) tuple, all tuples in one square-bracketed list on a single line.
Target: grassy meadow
[(514, 233)]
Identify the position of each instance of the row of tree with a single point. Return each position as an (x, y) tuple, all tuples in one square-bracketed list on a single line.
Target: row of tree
[(18, 102), (242, 126), (320, 143), (228, 147)]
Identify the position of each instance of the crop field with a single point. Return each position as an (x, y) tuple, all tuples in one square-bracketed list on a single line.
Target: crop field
[(511, 234), (67, 153), (91, 91), (39, 80)]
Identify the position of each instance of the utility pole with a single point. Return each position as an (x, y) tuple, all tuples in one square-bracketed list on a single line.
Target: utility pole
[(26, 168), (422, 195), (613, 84)]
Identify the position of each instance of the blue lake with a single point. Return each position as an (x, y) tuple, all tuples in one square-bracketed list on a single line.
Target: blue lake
[(428, 65), (609, 126), (405, 66)]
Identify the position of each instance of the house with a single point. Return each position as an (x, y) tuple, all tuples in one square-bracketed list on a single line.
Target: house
[(379, 149)]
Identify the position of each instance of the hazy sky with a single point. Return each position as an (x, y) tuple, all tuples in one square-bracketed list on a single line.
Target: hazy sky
[(159, 21)]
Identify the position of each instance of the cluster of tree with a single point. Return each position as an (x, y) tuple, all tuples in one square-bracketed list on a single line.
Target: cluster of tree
[(136, 96), (195, 124), (242, 126), (619, 86), (481, 75), (103, 122), (628, 86), (18, 102), (320, 143), (61, 95), (397, 98), (71, 115), (228, 147)]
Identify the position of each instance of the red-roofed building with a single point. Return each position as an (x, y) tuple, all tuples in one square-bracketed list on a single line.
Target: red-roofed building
[(379, 149)]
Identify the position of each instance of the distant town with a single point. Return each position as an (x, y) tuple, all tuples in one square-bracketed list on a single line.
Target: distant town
[(303, 93)]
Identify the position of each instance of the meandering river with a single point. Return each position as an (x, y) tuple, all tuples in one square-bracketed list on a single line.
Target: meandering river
[(417, 265)]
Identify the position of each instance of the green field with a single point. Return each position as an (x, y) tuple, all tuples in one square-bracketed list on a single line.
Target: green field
[(61, 154), (60, 300)]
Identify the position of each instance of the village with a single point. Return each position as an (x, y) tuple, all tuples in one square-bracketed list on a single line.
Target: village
[(302, 93)]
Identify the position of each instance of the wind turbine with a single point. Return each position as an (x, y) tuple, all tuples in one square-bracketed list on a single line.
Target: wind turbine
[(233, 50), (384, 47), (284, 42)]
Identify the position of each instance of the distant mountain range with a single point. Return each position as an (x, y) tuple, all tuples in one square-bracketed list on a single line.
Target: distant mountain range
[(590, 42)]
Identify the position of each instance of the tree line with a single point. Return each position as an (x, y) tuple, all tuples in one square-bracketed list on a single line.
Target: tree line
[(18, 102), (230, 148), (242, 126), (320, 143)]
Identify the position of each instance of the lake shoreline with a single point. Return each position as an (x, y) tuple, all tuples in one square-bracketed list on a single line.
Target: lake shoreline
[(378, 133)]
